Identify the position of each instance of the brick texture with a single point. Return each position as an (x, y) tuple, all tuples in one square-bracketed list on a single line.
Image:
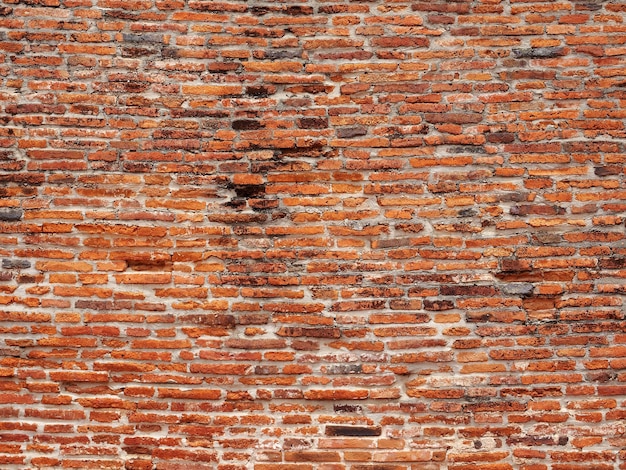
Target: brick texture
[(313, 234)]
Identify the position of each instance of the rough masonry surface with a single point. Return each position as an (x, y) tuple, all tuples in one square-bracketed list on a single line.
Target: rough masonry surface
[(312, 234)]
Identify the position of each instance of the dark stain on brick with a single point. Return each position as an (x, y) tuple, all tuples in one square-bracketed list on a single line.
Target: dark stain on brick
[(313, 123), (347, 408), (539, 52), (298, 10), (138, 167), (348, 55), (15, 264), (283, 54), (501, 137), (246, 125), (591, 5), (248, 190), (602, 376), (467, 213), (438, 305), (202, 113), (473, 149), (260, 91), (11, 215), (263, 204), (532, 441), (139, 51), (311, 89), (522, 289), (608, 263), (608, 170), (593, 146), (260, 11), (349, 132), (353, 431), (169, 53), (121, 15)]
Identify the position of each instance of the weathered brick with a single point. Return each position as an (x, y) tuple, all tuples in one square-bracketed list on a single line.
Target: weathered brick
[(368, 235), (11, 215)]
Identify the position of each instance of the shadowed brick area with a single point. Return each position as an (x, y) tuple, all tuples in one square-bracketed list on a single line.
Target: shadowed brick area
[(312, 234)]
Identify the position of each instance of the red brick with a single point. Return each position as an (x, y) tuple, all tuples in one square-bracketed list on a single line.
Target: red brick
[(308, 236)]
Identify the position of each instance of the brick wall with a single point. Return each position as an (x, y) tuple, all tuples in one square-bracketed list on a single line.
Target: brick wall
[(315, 234)]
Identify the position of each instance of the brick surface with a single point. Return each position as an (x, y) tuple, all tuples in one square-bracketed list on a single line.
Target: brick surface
[(313, 234)]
